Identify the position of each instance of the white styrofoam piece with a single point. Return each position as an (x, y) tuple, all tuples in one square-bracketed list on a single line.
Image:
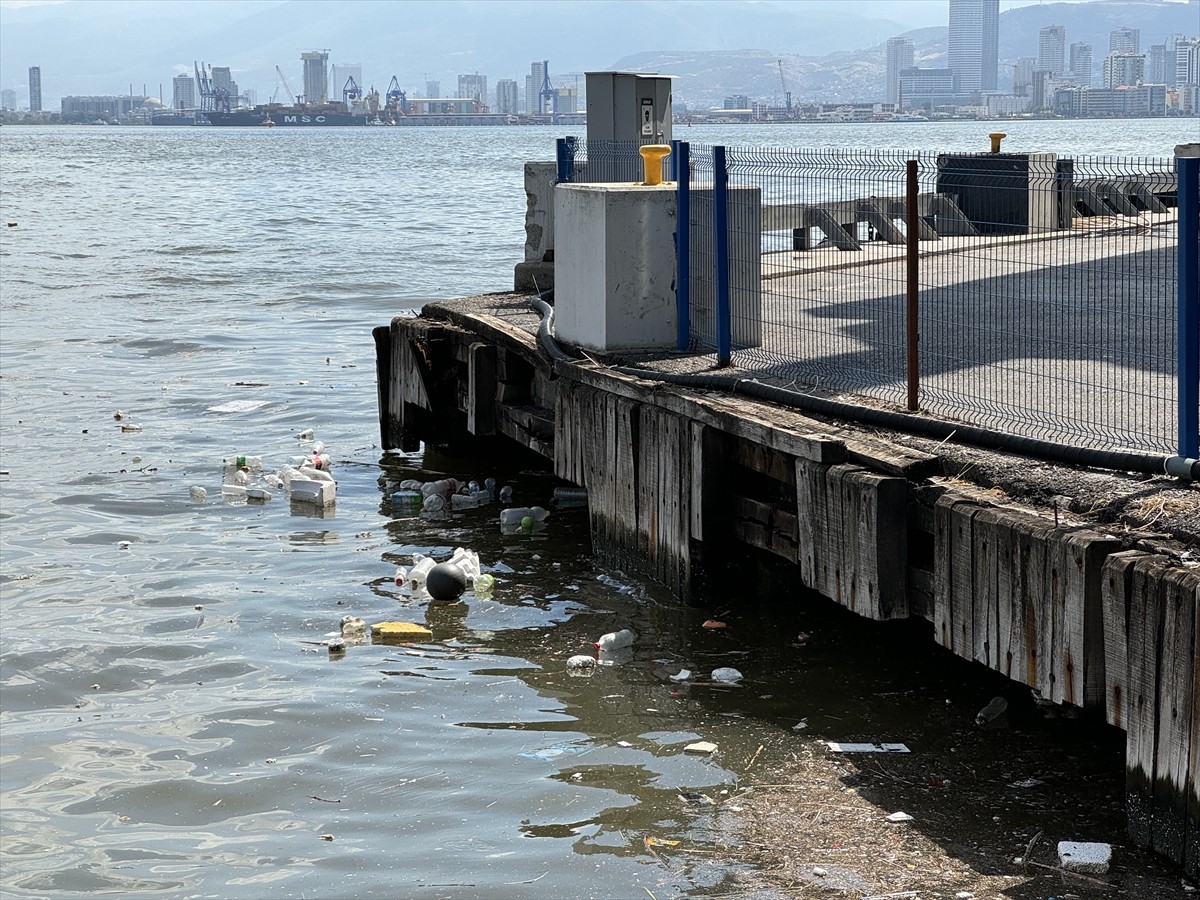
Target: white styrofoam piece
[(318, 493)]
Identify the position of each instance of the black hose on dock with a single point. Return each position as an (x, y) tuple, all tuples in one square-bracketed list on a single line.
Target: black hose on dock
[(1123, 461)]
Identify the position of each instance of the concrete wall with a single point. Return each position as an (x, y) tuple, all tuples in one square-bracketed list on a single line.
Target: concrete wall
[(615, 262)]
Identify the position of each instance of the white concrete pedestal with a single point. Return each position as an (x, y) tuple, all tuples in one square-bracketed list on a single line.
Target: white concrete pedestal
[(614, 261)]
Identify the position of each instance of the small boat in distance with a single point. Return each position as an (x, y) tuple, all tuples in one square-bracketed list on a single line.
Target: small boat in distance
[(908, 117)]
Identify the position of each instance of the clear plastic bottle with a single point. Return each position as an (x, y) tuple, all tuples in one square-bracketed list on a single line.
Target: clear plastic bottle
[(420, 568), (434, 503), (407, 499), (410, 484), (320, 460), (305, 435), (464, 501), (514, 514), (483, 584), (242, 462), (441, 486), (506, 494)]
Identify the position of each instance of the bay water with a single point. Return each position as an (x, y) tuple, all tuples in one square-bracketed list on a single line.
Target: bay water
[(170, 721)]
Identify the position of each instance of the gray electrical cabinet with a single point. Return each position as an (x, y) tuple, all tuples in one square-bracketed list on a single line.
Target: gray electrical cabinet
[(631, 108)]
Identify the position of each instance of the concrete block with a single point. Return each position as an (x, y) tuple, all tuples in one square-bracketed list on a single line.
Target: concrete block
[(317, 493), (1084, 858), (614, 262)]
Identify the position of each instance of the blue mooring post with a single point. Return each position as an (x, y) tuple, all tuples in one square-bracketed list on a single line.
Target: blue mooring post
[(1188, 175), (565, 154), (683, 241), (721, 252)]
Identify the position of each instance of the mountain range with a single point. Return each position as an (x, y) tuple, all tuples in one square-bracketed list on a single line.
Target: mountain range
[(715, 48)]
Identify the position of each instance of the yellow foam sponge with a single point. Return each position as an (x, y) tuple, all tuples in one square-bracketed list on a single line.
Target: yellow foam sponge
[(399, 632)]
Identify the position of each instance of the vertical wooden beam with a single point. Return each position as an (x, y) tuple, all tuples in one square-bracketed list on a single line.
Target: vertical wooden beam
[(989, 530), (953, 542), (382, 335), (1147, 622), (1179, 590), (481, 388), (1116, 595), (1081, 663)]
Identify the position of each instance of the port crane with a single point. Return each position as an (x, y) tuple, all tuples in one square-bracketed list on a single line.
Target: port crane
[(286, 87), (786, 93), (397, 100), (351, 91), (548, 92)]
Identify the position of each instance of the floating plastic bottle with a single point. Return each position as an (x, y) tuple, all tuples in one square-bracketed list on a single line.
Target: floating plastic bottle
[(353, 628), (570, 496), (726, 675), (616, 640), (242, 462), (198, 494), (420, 568), (464, 501), (441, 486), (434, 503), (506, 494), (483, 584), (318, 447), (287, 473), (320, 460), (240, 477), (305, 435), (314, 474), (515, 514), (410, 484), (401, 576)]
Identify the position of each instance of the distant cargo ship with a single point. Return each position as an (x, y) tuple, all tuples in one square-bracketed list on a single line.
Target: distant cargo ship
[(272, 114)]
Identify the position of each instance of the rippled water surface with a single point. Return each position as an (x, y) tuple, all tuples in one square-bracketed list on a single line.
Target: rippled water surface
[(171, 723)]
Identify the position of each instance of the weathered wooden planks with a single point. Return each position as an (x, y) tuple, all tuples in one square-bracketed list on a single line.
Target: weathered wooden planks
[(851, 528), (1021, 597), (1152, 651)]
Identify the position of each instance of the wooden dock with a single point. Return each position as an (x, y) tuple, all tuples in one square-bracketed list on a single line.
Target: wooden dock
[(674, 475)]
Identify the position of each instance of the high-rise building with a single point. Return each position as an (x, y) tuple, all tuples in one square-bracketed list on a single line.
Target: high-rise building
[(507, 97), (183, 92), (1156, 64), (1081, 62), (1023, 75), (1041, 92), (1124, 70), (974, 43), (899, 57), (1052, 45), (339, 79), (534, 105), (222, 81), (433, 90), (473, 87), (35, 88), (1125, 40), (8, 98), (316, 75), (1187, 62)]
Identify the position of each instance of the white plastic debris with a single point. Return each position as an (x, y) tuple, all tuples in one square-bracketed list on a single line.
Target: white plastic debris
[(616, 640), (581, 661), (124, 545), (996, 707), (681, 675), (198, 494), (726, 675), (318, 493), (701, 748), (305, 435), (259, 495), (844, 747), (899, 817), (1084, 858)]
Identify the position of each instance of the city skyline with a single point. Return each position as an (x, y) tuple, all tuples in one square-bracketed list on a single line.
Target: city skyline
[(969, 56)]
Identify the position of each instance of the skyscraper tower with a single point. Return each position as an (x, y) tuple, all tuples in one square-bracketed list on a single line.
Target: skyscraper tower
[(1052, 45), (899, 57), (35, 88), (1125, 40), (316, 76), (974, 43), (1081, 62)]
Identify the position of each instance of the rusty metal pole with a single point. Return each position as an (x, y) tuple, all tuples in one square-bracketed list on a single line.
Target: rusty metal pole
[(912, 223)]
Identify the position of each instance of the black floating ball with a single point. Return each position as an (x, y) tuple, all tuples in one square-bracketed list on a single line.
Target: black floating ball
[(445, 582)]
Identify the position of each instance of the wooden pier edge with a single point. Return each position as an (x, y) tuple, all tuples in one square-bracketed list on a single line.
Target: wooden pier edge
[(671, 472)]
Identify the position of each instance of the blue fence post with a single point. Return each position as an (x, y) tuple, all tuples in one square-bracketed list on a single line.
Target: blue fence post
[(565, 155), (681, 166), (1187, 170), (721, 252)]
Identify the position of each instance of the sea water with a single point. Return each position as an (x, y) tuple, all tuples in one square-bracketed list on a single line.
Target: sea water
[(171, 721)]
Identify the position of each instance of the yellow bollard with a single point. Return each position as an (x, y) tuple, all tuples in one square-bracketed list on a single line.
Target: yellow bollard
[(652, 157), (997, 137)]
